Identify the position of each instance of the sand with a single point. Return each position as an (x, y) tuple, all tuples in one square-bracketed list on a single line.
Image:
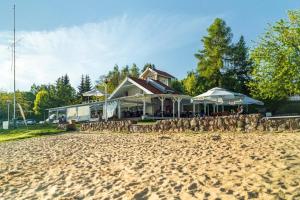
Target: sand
[(152, 166)]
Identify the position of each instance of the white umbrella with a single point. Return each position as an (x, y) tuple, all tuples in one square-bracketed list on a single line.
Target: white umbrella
[(248, 100), (94, 92), (217, 95)]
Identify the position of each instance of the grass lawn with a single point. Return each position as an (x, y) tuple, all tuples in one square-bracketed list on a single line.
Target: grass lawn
[(146, 122), (31, 131)]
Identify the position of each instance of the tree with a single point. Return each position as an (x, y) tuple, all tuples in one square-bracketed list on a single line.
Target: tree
[(190, 84), (100, 84), (64, 92), (177, 86), (237, 69), (41, 102), (87, 84), (134, 71), (66, 79), (216, 46), (81, 86), (25, 99), (124, 72), (114, 76), (152, 66), (277, 60)]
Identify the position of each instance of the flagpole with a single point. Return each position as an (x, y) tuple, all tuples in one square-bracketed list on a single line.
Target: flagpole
[(14, 55)]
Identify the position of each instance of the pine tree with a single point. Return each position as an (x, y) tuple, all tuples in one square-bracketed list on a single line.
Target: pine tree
[(81, 86), (216, 46), (124, 72), (114, 76), (134, 71), (87, 83), (236, 74), (66, 79), (65, 93), (152, 66)]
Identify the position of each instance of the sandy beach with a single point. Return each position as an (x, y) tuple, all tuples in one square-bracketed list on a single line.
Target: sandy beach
[(152, 166)]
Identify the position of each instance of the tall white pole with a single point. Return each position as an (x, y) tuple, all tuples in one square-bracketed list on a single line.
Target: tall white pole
[(105, 101), (14, 56), (8, 112)]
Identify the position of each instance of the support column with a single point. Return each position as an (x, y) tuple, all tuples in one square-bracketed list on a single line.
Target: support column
[(144, 106), (207, 109), (173, 100), (77, 117), (119, 109), (222, 108), (162, 99), (178, 102), (194, 109)]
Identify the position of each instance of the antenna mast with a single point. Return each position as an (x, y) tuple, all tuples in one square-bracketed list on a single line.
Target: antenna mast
[(14, 55)]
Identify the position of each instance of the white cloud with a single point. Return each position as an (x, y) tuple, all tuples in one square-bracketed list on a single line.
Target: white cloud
[(93, 48)]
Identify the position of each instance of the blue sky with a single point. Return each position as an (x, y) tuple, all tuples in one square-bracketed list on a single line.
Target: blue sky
[(90, 36)]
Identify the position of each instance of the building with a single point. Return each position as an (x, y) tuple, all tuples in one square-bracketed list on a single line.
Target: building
[(149, 96)]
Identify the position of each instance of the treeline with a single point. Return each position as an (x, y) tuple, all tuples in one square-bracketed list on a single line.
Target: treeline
[(62, 93), (221, 62), (117, 75), (270, 71)]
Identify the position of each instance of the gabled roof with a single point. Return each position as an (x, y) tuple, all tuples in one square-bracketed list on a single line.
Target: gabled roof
[(165, 86), (163, 73), (146, 86), (159, 72)]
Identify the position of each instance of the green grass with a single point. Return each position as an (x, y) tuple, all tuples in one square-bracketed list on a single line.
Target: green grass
[(32, 131), (146, 122)]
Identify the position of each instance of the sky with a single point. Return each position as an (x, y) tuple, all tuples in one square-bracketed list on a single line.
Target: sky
[(91, 36)]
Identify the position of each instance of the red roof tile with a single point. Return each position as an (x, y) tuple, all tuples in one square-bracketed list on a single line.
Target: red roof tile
[(165, 86), (163, 73), (146, 85)]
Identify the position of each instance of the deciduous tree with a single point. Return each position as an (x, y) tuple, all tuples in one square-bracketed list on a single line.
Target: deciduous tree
[(276, 57)]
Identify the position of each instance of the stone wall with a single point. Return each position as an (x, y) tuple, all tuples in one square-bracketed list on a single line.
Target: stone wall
[(242, 123)]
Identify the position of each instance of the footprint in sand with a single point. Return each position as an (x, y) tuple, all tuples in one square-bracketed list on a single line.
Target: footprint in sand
[(141, 195)]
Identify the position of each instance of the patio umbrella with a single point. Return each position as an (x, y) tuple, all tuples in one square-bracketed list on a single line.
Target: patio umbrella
[(94, 92), (217, 95), (248, 101)]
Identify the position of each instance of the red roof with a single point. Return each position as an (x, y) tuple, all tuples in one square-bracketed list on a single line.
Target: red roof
[(163, 73), (146, 85), (165, 86), (151, 88)]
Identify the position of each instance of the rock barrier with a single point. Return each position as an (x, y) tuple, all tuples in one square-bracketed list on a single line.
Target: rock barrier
[(242, 123)]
